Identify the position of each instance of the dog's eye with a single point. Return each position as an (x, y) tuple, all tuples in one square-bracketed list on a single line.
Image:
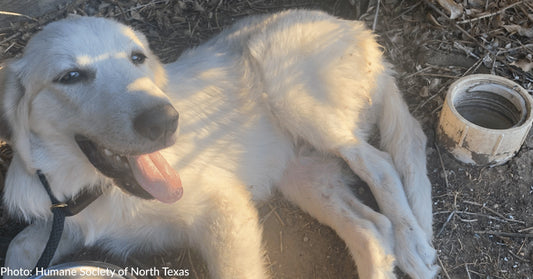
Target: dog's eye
[(70, 77), (138, 58)]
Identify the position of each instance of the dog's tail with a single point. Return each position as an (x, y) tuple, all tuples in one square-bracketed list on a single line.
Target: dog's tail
[(402, 136)]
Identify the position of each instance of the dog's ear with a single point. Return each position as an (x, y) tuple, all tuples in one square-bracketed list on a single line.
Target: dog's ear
[(15, 111)]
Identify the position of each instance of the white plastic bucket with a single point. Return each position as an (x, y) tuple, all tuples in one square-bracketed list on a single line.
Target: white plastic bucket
[(485, 119)]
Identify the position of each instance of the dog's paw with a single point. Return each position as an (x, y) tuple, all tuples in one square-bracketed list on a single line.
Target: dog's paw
[(414, 254), (22, 253)]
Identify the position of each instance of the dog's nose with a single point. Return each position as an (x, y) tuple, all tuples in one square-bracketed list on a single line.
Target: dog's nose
[(157, 122)]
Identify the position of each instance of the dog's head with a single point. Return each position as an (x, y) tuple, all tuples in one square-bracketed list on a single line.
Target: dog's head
[(92, 84)]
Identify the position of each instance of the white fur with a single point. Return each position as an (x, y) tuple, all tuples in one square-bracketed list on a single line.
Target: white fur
[(276, 101)]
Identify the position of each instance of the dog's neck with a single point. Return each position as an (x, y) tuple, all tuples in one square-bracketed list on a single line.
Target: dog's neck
[(67, 172)]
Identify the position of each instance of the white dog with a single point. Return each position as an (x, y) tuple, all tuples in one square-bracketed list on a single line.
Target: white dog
[(274, 102)]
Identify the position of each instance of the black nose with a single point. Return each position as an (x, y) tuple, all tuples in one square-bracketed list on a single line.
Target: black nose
[(157, 122)]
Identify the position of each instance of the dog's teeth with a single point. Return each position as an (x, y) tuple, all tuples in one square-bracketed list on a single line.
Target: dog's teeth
[(117, 158), (107, 152)]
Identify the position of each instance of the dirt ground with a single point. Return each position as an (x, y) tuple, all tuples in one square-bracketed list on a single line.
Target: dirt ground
[(483, 216)]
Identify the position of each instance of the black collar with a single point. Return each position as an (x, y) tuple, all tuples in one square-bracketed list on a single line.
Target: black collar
[(61, 210), (75, 204)]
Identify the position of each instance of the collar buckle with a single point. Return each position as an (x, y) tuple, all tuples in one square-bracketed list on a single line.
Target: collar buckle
[(58, 205)]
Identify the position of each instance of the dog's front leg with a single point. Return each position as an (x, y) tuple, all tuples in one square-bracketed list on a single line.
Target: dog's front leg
[(26, 248), (229, 236)]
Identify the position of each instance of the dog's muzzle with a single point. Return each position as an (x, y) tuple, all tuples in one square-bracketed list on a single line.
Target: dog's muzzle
[(145, 175), (157, 123)]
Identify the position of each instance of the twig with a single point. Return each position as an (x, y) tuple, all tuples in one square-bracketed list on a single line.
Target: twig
[(468, 220), (480, 275), (427, 101), (445, 223), (9, 47), (17, 14), (507, 234), (442, 165), (474, 67), (437, 75), (489, 15), (376, 16), (407, 11), (10, 37), (521, 246), (443, 268), (495, 212), (514, 48), (436, 109), (465, 49), (526, 229), (468, 271), (417, 72), (277, 215), (518, 257), (265, 217), (281, 242), (144, 5), (478, 214)]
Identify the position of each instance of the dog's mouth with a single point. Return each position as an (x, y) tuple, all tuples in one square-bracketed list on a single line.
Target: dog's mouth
[(147, 176)]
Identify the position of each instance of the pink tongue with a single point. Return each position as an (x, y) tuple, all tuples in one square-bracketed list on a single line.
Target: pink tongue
[(156, 176)]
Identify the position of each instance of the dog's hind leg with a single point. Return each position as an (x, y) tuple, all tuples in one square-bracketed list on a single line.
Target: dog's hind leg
[(334, 128), (403, 138), (413, 250), (329, 95), (335, 133), (318, 186)]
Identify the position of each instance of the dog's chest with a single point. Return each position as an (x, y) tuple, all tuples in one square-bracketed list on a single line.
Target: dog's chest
[(231, 138)]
